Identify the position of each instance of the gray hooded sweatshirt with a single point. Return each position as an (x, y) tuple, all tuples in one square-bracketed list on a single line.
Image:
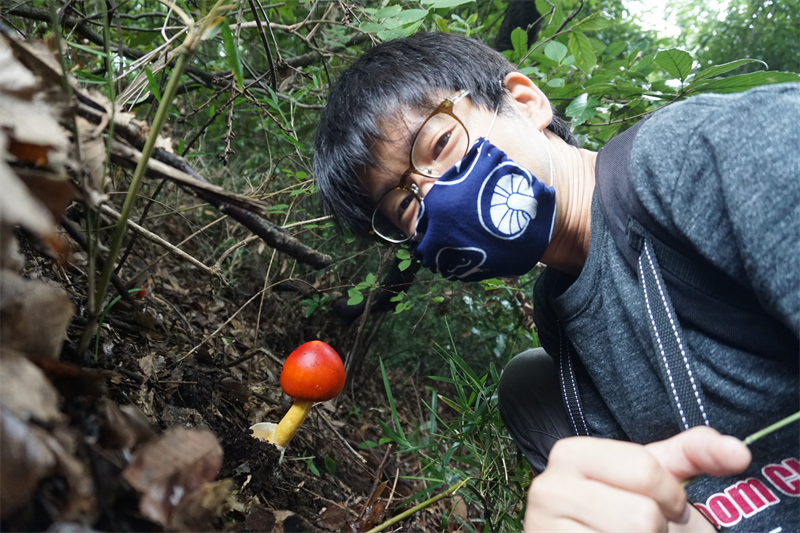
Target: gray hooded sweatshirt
[(720, 173)]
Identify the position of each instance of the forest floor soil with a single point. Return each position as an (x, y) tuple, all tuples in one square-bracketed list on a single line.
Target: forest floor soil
[(142, 383)]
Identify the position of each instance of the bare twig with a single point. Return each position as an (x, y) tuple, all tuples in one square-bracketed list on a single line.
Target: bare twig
[(394, 486), (78, 237), (574, 14), (227, 138), (266, 45), (340, 437), (271, 34), (245, 210), (250, 354), (152, 237), (263, 293), (312, 221), (277, 237), (142, 218), (134, 280), (228, 321), (206, 78), (352, 360), (376, 483), (127, 156), (229, 251)]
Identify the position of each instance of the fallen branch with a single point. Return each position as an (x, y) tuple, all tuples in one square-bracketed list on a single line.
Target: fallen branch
[(245, 210), (128, 156), (278, 239)]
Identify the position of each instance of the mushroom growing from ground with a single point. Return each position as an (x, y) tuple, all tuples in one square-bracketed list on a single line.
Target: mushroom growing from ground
[(312, 373)]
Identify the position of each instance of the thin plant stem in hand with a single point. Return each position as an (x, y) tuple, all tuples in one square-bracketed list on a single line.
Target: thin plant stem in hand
[(769, 429), (750, 439)]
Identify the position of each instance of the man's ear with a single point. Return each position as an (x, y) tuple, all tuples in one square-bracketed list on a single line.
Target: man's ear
[(529, 99)]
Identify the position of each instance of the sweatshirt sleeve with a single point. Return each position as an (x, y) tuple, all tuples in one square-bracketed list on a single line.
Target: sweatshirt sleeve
[(722, 172)]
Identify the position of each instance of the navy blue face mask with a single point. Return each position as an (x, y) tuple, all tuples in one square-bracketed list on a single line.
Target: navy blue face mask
[(487, 217)]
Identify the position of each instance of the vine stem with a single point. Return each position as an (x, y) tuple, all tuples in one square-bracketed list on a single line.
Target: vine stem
[(769, 429), (430, 501), (141, 167), (750, 439)]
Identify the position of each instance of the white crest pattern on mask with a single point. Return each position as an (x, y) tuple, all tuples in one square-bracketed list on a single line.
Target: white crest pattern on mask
[(513, 204)]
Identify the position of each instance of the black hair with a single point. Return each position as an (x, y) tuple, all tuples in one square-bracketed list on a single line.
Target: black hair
[(401, 74)]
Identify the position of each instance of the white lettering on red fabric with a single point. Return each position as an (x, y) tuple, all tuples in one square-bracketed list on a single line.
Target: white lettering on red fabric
[(751, 496), (783, 479)]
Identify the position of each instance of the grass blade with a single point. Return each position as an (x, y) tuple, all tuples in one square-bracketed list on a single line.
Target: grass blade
[(391, 401), (232, 55)]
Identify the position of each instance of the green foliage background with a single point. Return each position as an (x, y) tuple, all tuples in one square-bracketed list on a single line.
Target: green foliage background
[(600, 69)]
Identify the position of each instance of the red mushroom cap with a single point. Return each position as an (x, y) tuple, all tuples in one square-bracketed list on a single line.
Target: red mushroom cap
[(313, 372)]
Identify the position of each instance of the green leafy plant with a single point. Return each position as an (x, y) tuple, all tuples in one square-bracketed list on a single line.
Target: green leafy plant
[(471, 448), (311, 466), (316, 304), (355, 293)]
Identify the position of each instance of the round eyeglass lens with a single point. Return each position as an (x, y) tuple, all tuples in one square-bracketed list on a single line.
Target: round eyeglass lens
[(395, 218), (441, 143)]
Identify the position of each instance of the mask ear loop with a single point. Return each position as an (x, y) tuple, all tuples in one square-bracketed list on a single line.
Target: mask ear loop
[(492, 124)]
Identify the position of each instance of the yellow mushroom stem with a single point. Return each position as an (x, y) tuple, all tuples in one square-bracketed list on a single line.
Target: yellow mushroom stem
[(288, 426)]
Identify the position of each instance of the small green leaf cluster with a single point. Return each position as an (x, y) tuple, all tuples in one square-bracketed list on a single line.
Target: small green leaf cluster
[(330, 465), (356, 295), (317, 303), (393, 22)]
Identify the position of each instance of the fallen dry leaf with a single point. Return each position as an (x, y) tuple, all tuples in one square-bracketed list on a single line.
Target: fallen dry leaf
[(333, 518), (24, 461), (35, 154), (168, 469), (24, 389), (14, 77), (116, 429), (139, 423), (268, 521), (459, 514), (39, 58), (33, 316), (72, 380), (56, 194), (81, 497), (121, 118), (17, 206), (69, 527), (94, 154), (31, 122), (197, 510), (146, 365)]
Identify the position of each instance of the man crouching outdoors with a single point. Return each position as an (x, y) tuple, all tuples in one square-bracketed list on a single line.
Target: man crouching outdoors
[(438, 142)]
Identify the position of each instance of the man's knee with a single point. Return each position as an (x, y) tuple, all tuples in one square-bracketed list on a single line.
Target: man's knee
[(531, 405)]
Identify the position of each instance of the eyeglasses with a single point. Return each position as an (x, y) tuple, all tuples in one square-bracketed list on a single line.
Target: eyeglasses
[(441, 142)]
